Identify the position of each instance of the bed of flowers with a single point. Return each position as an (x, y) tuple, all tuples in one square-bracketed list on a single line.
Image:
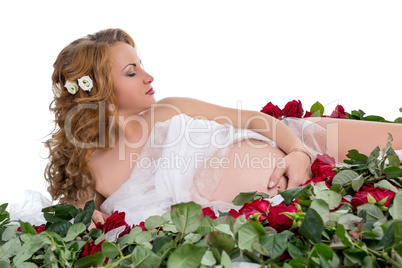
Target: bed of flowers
[(349, 214)]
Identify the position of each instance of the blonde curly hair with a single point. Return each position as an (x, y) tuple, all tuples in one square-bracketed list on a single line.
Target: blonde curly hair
[(80, 124)]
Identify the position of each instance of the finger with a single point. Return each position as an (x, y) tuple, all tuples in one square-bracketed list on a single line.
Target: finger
[(276, 176), (92, 225)]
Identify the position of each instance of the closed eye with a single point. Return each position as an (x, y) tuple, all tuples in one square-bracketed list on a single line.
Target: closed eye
[(132, 74)]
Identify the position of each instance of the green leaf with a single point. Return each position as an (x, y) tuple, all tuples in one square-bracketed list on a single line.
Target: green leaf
[(396, 209), (10, 248), (355, 155), (323, 252), (332, 198), (312, 226), (275, 244), (386, 185), (394, 160), (186, 256), (373, 212), (9, 232), (375, 118), (398, 120), (354, 256), (357, 183), (220, 240), (60, 227), (110, 250), (321, 206), (187, 217), (62, 211), (208, 259), (75, 230), (226, 261), (393, 172), (400, 109), (341, 233), (244, 197), (349, 221), (32, 243), (289, 195), (153, 222), (27, 228), (344, 176), (294, 251), (94, 260), (250, 233), (204, 228), (317, 109)]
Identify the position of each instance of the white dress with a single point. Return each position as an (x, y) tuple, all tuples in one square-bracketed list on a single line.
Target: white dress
[(172, 165)]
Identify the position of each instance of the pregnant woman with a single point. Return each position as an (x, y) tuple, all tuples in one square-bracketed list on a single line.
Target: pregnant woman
[(114, 140)]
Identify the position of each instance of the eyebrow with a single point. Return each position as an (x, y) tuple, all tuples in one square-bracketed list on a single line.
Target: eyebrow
[(133, 64)]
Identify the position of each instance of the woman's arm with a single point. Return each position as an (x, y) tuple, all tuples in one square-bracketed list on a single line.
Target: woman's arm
[(296, 164)]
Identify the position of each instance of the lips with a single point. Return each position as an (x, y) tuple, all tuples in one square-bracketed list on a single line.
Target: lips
[(150, 91)]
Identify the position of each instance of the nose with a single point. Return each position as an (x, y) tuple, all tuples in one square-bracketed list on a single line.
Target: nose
[(148, 78)]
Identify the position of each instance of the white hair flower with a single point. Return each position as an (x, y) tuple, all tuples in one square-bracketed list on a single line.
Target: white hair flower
[(85, 83), (72, 87), (56, 89)]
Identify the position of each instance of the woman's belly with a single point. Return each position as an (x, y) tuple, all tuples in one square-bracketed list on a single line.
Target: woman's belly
[(248, 167)]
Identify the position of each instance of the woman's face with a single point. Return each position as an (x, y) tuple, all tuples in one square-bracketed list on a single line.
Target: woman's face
[(131, 82)]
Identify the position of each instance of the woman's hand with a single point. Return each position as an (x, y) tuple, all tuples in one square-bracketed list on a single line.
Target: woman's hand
[(97, 216), (296, 166)]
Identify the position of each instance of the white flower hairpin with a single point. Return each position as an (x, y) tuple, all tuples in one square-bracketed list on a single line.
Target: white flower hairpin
[(85, 83)]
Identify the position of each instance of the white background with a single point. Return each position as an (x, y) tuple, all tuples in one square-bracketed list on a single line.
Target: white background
[(346, 52)]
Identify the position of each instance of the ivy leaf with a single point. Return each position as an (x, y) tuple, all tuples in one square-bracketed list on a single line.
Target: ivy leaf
[(317, 109), (312, 226), (275, 244), (187, 255), (187, 217)]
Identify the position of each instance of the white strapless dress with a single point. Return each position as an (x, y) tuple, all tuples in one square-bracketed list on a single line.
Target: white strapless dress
[(172, 166)]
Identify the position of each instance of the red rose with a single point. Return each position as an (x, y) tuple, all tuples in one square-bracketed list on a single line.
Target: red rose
[(293, 109), (339, 112), (307, 114), (323, 166), (378, 193), (280, 221), (90, 248), (256, 206), (142, 225), (234, 213), (38, 229), (208, 212), (272, 110)]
